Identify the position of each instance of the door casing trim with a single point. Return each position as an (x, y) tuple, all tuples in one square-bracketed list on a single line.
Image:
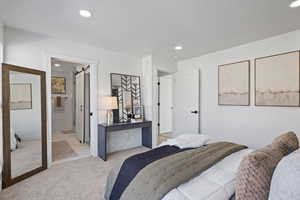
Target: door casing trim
[(93, 100)]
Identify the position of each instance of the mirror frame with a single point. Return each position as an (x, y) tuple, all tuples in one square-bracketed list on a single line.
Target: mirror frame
[(140, 90), (7, 179)]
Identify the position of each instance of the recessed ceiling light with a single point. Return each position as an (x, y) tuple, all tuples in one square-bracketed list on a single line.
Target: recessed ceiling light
[(85, 13), (57, 65), (295, 4), (177, 48)]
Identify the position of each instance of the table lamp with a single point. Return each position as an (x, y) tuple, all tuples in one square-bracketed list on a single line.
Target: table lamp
[(111, 103)]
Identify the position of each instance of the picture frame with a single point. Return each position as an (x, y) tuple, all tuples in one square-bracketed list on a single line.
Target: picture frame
[(139, 112), (58, 85), (234, 84), (277, 80), (20, 96)]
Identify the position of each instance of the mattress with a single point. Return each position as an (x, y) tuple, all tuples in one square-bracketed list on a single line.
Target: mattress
[(216, 183)]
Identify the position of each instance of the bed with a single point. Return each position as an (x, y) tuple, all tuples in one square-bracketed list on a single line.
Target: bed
[(188, 168), (216, 183)]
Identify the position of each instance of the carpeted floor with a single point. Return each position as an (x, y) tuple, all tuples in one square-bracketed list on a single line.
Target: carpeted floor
[(82, 179), (62, 150), (26, 157), (71, 148)]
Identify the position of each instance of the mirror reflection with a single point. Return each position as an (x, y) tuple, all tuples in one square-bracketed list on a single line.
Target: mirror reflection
[(25, 122)]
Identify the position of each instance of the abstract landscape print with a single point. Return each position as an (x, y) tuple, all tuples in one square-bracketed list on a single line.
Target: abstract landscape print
[(234, 84), (20, 96), (277, 80)]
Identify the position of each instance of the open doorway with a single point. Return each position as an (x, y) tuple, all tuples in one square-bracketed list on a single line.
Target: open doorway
[(70, 98), (165, 106)]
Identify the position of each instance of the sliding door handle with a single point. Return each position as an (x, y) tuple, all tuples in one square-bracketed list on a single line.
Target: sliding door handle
[(194, 111)]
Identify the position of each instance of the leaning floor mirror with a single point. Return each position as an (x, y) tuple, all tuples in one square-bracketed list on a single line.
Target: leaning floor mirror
[(24, 123)]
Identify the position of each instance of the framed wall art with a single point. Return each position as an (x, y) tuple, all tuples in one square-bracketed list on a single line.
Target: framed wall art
[(58, 85), (234, 84), (20, 96), (277, 81)]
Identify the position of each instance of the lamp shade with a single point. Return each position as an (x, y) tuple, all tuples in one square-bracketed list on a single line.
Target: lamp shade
[(111, 103)]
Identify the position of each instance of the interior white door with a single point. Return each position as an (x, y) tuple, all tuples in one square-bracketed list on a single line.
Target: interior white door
[(186, 101), (80, 106), (166, 103)]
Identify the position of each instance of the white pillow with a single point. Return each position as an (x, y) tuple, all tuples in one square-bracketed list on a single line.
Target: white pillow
[(188, 141), (286, 178)]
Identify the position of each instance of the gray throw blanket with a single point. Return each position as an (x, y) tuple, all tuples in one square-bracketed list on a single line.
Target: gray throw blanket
[(155, 180)]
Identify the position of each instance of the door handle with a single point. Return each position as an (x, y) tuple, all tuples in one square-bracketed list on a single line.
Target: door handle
[(194, 111)]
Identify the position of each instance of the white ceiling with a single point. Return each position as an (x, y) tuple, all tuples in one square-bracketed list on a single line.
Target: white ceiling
[(140, 27)]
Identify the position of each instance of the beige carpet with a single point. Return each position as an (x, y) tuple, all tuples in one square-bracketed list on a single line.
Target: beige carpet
[(62, 150), (82, 179), (81, 150), (27, 157)]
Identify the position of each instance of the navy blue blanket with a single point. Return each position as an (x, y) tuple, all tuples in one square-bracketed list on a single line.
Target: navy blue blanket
[(132, 165)]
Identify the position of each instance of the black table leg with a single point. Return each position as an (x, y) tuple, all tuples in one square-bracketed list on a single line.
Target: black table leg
[(147, 136), (102, 143)]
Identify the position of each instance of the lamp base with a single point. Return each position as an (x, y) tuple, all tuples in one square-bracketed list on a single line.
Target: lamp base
[(110, 119)]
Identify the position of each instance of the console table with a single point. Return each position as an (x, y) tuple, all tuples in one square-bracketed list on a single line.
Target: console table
[(104, 129)]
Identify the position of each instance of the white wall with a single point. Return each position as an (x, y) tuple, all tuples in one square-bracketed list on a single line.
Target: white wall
[(32, 50), (166, 103), (27, 123), (63, 119), (147, 67), (254, 126), (164, 64), (148, 94)]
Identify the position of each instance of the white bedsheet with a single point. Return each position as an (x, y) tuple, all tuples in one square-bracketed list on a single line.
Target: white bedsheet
[(216, 183)]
